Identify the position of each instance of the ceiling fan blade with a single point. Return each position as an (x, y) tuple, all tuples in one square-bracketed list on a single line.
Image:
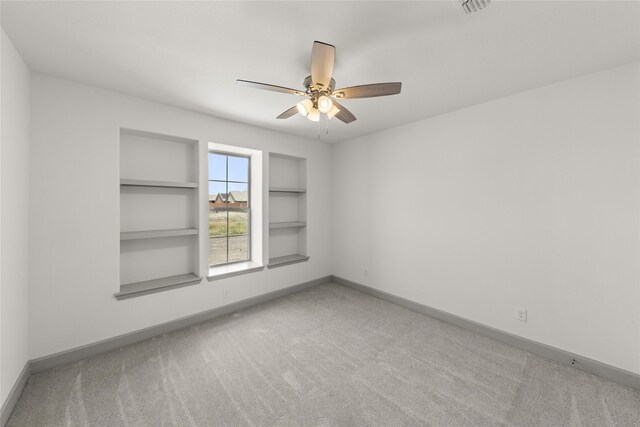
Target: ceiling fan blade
[(265, 86), (289, 113), (323, 57), (344, 115), (368, 91)]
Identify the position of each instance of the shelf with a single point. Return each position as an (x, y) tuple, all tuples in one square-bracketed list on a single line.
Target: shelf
[(165, 184), (131, 290), (287, 224), (286, 260), (150, 234), (287, 201), (159, 239), (287, 190)]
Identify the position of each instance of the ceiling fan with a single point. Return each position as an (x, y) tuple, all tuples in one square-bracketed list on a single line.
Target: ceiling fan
[(320, 89)]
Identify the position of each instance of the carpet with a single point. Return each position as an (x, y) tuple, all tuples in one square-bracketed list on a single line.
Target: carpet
[(327, 356)]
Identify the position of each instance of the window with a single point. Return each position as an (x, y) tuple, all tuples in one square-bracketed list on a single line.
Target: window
[(229, 209)]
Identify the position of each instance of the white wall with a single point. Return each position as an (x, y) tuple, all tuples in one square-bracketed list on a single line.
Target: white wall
[(75, 225), (527, 201), (14, 290)]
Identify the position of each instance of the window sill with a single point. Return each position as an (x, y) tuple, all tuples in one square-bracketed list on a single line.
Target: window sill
[(224, 271)]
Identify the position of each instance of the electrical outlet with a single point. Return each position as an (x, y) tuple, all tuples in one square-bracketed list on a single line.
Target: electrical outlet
[(521, 314), (225, 293), (366, 273)]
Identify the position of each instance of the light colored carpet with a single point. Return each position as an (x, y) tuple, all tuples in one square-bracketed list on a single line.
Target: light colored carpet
[(327, 356)]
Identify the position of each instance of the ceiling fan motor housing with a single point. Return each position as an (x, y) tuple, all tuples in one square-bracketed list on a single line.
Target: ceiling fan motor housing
[(311, 88)]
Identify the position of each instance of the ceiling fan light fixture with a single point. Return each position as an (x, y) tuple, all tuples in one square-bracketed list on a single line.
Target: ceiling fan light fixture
[(314, 115), (324, 104), (304, 107)]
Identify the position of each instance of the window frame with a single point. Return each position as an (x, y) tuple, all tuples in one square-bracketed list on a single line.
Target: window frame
[(248, 209)]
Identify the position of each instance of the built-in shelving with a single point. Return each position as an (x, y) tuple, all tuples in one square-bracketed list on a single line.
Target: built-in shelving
[(131, 290), (159, 242), (287, 224), (287, 210), (286, 260), (287, 190), (151, 234), (151, 183)]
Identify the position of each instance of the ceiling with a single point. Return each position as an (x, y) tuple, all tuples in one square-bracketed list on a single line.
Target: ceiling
[(189, 54)]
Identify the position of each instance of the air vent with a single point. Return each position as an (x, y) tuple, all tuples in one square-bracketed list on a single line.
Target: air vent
[(472, 6)]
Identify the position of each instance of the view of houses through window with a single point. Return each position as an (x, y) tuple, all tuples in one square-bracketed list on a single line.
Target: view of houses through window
[(229, 208)]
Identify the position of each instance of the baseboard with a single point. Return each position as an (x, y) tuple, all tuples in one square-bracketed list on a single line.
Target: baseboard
[(78, 353), (14, 394), (602, 370)]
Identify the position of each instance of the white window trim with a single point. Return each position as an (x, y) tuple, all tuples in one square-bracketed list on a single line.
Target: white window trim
[(235, 269), (256, 187)]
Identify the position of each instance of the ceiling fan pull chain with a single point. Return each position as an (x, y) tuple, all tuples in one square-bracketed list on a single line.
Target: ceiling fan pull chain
[(326, 124), (318, 130)]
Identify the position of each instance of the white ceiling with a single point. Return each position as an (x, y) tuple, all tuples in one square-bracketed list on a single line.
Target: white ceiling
[(190, 53)]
